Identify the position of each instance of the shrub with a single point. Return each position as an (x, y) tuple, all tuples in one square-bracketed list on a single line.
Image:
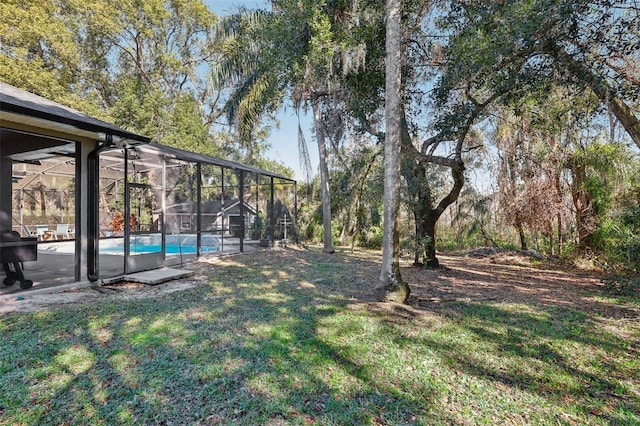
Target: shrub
[(622, 285), (373, 238)]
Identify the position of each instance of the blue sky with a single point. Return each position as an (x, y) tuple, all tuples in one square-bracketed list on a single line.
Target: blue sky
[(283, 140), (225, 7)]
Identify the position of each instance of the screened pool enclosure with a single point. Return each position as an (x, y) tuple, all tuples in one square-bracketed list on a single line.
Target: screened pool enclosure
[(100, 202), (161, 206)]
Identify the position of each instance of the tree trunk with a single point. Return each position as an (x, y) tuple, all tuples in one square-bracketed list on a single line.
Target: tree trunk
[(582, 202), (521, 234), (43, 200), (433, 215), (488, 241), (417, 219), (415, 176), (356, 219), (430, 259), (345, 226), (550, 231), (391, 287), (425, 217), (324, 177), (559, 234), (558, 187), (585, 222)]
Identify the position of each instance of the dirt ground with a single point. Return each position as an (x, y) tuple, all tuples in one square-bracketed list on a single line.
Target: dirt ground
[(509, 277), (514, 278)]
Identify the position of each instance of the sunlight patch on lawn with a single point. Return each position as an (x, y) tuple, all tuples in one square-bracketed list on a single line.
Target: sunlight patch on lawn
[(57, 380), (268, 385), (278, 332), (125, 416), (476, 272), (273, 298), (196, 315), (261, 330), (133, 322), (166, 326), (76, 359), (340, 377), (282, 275), (99, 329), (162, 330), (125, 365), (220, 369), (305, 285), (100, 393), (218, 288)]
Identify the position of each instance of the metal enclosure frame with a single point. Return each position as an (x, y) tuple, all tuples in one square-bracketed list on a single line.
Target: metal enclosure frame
[(33, 128)]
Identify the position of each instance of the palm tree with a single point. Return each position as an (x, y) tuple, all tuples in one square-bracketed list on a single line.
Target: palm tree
[(266, 57)]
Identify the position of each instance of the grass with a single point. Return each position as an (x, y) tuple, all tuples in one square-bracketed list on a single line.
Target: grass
[(287, 337)]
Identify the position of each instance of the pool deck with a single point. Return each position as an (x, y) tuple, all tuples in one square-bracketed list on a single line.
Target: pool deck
[(54, 272)]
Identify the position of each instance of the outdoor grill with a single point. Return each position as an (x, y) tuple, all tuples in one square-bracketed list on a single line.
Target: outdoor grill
[(13, 251)]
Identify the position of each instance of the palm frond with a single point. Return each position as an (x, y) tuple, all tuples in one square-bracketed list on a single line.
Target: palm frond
[(239, 46), (257, 96)]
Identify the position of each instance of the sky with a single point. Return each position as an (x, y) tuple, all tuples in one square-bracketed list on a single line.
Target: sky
[(283, 140)]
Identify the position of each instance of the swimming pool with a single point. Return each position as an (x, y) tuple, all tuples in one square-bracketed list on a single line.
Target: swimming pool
[(155, 248), (144, 244)]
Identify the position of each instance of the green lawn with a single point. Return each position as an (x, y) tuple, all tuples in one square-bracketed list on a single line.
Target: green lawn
[(287, 337)]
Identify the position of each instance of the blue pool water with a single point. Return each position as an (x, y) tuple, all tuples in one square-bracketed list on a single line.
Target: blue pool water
[(142, 244), (174, 244), (156, 248)]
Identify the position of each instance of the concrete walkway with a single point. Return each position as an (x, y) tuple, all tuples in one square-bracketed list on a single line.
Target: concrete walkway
[(157, 276)]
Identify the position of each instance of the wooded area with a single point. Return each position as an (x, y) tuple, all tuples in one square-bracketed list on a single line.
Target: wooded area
[(517, 121)]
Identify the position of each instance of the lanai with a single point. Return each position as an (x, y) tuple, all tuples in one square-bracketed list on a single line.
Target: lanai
[(61, 167)]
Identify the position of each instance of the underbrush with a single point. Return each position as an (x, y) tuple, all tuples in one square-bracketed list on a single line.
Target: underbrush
[(622, 285)]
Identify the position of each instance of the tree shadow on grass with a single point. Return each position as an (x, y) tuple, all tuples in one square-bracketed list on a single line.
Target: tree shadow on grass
[(246, 348), (294, 337), (558, 353)]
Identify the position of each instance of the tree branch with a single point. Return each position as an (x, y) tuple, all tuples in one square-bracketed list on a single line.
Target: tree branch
[(600, 87)]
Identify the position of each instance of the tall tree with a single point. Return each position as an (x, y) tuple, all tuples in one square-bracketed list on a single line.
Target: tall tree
[(137, 64), (507, 48), (427, 210), (597, 171), (39, 51), (292, 52), (147, 59), (533, 136), (324, 176), (394, 288)]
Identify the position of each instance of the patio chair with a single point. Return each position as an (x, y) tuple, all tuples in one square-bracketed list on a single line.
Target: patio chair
[(62, 230), (41, 231), (26, 232)]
